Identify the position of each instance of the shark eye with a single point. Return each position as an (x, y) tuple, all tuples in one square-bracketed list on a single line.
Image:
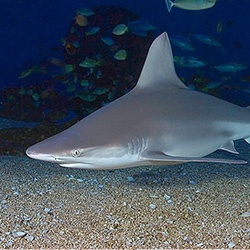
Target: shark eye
[(76, 153)]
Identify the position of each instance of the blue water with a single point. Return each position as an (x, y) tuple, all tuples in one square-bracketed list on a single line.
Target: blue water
[(30, 28)]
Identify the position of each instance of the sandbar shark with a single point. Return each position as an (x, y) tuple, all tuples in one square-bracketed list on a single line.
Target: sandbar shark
[(159, 122)]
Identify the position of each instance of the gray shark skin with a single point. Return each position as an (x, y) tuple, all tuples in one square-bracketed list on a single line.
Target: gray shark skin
[(159, 122)]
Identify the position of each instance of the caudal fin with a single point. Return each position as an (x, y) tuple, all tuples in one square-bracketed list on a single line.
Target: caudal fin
[(169, 4)]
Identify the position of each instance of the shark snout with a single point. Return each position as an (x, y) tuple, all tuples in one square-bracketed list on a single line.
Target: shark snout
[(34, 154)]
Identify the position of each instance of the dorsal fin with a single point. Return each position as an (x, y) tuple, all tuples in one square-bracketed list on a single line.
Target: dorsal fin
[(158, 70)]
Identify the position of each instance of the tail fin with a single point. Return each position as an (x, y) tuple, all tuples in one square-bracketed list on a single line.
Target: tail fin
[(169, 4)]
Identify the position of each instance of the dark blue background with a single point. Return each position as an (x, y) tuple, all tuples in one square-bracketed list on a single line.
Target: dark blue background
[(29, 29)]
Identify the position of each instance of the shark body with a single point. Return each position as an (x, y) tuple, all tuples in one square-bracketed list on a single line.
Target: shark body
[(159, 122)]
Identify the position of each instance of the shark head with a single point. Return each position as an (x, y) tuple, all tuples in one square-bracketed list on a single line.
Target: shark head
[(159, 122), (68, 150), (87, 158)]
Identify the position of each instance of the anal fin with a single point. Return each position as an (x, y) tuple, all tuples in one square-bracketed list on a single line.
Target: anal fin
[(229, 147), (247, 140)]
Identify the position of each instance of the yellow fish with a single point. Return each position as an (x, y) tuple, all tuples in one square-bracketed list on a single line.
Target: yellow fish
[(120, 29), (219, 27), (120, 55), (81, 20)]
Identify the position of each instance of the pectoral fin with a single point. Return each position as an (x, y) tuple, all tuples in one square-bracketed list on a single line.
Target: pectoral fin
[(158, 156)]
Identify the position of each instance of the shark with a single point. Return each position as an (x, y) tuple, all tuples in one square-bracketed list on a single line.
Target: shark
[(159, 122)]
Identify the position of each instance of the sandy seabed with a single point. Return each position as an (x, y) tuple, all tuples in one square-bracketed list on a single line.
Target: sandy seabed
[(197, 206)]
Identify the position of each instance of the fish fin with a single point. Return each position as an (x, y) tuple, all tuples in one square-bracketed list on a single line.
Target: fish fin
[(158, 156), (247, 140), (169, 4), (158, 71), (229, 147)]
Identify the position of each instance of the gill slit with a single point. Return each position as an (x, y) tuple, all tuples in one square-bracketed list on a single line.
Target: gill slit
[(137, 146)]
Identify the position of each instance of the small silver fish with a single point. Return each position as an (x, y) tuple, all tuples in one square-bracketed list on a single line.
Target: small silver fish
[(230, 67), (139, 27), (190, 4), (108, 41), (89, 63), (207, 40), (181, 42), (85, 12), (213, 85), (26, 73), (92, 31), (189, 62), (88, 97), (99, 91)]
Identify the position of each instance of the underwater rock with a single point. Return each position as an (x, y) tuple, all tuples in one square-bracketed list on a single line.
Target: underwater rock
[(18, 234)]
